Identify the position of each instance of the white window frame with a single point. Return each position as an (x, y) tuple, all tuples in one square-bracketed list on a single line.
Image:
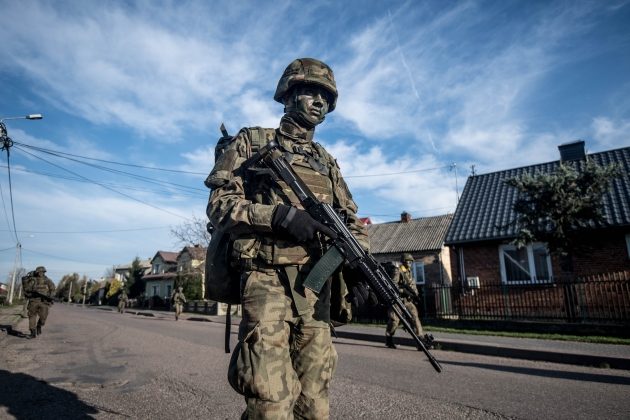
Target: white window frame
[(418, 265), (531, 265), (628, 243), (156, 289)]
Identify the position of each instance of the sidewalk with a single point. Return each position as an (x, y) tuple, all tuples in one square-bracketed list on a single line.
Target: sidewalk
[(568, 352)]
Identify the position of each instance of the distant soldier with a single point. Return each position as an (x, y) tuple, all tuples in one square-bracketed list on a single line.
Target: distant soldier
[(403, 279), (178, 299), (39, 290), (122, 301)]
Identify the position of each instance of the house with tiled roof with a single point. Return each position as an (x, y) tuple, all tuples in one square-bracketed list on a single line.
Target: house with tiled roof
[(121, 271), (481, 232), (191, 265), (161, 280), (422, 237)]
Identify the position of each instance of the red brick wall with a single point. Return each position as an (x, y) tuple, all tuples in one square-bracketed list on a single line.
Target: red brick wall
[(604, 252)]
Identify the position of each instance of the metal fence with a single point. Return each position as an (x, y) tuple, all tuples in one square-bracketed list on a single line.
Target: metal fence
[(598, 298)]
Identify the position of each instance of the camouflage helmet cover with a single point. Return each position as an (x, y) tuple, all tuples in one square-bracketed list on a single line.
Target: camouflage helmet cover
[(41, 269), (406, 257), (307, 70)]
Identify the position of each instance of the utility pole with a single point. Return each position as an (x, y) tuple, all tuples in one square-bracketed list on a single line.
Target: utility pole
[(70, 290), (6, 144), (18, 249), (84, 290)]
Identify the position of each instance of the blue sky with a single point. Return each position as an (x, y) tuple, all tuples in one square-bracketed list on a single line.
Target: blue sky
[(423, 86)]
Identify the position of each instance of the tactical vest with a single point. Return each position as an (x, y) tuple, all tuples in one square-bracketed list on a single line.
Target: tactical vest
[(37, 284), (309, 160)]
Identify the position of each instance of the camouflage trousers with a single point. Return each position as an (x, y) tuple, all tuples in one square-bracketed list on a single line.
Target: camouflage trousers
[(37, 308), (393, 321), (121, 306), (284, 360), (178, 309)]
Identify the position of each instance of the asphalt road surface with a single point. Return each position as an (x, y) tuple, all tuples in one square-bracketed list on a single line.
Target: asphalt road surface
[(95, 363)]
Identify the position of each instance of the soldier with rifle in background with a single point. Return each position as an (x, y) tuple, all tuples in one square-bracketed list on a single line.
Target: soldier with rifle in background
[(39, 290), (178, 298), (403, 279)]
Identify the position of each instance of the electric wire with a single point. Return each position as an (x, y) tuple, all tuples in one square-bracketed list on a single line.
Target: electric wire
[(63, 258), (116, 171), (17, 239), (93, 231), (104, 186), (111, 184), (4, 207), (115, 163)]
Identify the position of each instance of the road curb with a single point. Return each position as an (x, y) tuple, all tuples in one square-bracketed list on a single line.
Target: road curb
[(504, 351)]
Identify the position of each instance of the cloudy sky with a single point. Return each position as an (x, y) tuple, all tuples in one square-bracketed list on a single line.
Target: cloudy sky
[(133, 93)]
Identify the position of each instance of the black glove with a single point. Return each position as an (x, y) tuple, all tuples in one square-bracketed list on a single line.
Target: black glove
[(359, 292), (298, 223)]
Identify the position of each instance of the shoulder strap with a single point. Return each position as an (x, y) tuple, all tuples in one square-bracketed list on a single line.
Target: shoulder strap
[(259, 137)]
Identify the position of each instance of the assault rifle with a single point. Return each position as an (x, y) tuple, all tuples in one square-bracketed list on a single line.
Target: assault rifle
[(408, 291), (33, 294), (345, 248)]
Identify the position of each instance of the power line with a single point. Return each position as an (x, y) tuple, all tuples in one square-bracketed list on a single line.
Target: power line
[(128, 187), (399, 173), (62, 258), (116, 171), (4, 207), (94, 231), (50, 151), (113, 162), (105, 186), (7, 143)]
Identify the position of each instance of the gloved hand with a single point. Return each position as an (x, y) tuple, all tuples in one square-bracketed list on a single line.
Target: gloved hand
[(359, 292), (298, 224)]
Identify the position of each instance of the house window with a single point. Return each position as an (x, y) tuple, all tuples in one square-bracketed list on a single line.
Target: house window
[(418, 272), (628, 243), (156, 268), (529, 264), (156, 290), (169, 288)]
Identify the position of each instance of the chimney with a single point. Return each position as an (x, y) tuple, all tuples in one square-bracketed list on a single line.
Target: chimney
[(572, 151), (405, 217)]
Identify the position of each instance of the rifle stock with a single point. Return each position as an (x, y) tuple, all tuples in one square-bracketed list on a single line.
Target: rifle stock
[(345, 243)]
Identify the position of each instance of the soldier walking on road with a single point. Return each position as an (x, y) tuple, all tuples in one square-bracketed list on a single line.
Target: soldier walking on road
[(403, 279), (122, 301), (39, 290), (178, 299), (284, 360)]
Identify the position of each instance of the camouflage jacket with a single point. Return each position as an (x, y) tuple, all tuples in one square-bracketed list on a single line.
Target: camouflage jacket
[(243, 200), (178, 298), (38, 284), (405, 278)]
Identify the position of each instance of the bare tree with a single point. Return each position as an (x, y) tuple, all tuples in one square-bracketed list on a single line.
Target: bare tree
[(191, 232)]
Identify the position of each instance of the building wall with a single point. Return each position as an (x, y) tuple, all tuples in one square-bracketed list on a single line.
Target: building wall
[(162, 286), (437, 268), (603, 253)]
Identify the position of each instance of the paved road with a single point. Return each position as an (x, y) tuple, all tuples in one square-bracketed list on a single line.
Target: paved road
[(92, 363)]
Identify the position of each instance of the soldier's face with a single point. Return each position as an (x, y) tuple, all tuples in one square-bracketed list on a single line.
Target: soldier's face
[(312, 103)]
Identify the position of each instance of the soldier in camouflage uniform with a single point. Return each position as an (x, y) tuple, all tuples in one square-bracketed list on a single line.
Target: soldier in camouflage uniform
[(39, 290), (285, 359), (402, 276), (178, 299), (123, 299)]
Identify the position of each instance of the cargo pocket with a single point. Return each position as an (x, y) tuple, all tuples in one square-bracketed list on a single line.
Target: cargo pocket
[(247, 373)]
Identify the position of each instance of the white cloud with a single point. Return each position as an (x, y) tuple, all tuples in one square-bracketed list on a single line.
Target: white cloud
[(608, 132)]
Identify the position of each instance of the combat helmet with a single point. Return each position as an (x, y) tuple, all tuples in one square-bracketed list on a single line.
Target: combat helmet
[(40, 269), (307, 70), (406, 257)]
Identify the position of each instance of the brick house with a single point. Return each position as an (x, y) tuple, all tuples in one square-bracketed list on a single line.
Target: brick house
[(482, 255)]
